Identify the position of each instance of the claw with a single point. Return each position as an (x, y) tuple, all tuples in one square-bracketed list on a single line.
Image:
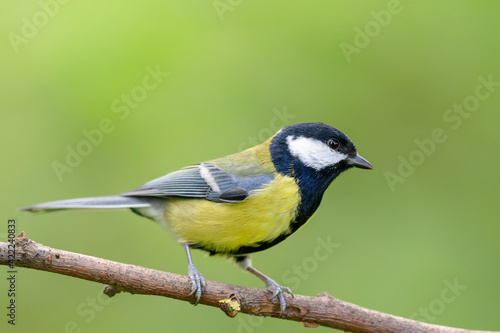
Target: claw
[(197, 282), (278, 291), (271, 285)]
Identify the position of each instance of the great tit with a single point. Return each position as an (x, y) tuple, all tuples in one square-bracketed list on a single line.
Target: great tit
[(242, 203)]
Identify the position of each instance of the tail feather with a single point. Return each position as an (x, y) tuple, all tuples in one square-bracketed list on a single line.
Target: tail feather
[(107, 202)]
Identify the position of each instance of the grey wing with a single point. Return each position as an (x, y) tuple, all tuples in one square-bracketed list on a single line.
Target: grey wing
[(203, 181)]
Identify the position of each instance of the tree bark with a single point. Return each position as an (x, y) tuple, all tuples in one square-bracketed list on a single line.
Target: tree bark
[(324, 309)]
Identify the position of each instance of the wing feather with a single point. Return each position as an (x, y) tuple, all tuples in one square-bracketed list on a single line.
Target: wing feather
[(204, 181)]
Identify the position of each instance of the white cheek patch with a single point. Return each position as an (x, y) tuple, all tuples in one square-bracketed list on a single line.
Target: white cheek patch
[(313, 153)]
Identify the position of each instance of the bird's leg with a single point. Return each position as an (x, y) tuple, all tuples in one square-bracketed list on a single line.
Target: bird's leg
[(271, 285), (197, 280)]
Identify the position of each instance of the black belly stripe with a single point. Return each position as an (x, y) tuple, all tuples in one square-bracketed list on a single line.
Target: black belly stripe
[(301, 219), (304, 212), (313, 190)]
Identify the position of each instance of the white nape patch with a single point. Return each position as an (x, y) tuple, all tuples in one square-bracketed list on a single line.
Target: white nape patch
[(207, 176), (313, 153)]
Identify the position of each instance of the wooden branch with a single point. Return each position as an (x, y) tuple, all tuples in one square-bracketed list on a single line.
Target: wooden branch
[(323, 309)]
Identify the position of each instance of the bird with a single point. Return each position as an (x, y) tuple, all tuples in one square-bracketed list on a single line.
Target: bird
[(241, 203)]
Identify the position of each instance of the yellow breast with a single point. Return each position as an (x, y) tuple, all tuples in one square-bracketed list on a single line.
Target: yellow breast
[(224, 227)]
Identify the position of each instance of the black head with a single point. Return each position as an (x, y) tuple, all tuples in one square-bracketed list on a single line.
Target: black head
[(314, 150)]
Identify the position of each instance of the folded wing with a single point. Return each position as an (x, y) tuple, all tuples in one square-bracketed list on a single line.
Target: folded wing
[(204, 181)]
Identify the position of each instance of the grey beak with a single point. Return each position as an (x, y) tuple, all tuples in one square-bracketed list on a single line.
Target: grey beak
[(359, 162)]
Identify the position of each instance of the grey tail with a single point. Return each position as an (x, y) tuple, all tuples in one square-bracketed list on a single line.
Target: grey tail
[(107, 202)]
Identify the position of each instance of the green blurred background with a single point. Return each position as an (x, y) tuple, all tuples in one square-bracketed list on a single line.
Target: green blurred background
[(237, 72)]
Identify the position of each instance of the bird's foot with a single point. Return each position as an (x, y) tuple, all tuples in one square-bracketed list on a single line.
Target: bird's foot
[(197, 282), (278, 291)]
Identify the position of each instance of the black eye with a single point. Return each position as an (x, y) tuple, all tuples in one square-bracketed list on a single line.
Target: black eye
[(333, 143)]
